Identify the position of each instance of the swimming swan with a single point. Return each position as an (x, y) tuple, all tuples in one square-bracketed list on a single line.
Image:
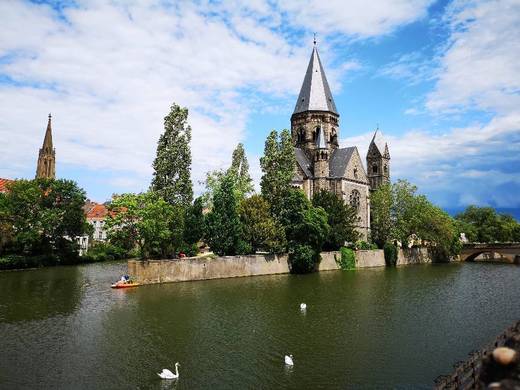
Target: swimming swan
[(167, 374), (289, 360)]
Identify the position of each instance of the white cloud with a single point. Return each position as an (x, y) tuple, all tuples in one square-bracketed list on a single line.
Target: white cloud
[(109, 71)]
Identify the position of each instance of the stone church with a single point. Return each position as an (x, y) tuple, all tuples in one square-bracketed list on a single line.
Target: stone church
[(321, 163)]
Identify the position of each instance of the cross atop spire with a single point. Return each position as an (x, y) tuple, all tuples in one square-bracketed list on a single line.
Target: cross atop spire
[(314, 39), (315, 93)]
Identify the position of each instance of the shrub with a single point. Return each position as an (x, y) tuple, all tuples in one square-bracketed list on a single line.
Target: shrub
[(363, 245), (303, 259), (390, 254), (347, 259), (190, 250), (103, 251)]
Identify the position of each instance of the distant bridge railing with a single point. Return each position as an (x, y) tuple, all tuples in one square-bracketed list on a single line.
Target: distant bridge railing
[(508, 250)]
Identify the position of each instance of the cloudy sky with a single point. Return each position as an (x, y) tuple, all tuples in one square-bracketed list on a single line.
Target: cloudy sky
[(441, 78)]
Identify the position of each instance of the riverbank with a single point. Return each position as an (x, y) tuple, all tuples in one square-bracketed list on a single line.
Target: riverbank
[(205, 268)]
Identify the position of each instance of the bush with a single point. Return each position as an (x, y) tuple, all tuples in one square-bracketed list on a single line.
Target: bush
[(347, 259), (363, 245), (390, 254), (20, 261), (103, 251), (303, 259), (190, 250)]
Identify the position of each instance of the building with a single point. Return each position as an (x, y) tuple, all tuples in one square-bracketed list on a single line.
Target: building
[(96, 215), (46, 167), (3, 185), (321, 163)]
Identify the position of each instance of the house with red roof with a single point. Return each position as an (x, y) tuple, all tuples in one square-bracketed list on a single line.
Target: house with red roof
[(3, 185)]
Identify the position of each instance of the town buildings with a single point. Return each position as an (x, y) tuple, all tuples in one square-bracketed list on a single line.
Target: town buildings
[(321, 163)]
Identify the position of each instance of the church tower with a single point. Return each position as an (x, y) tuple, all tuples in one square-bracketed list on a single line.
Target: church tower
[(46, 167), (315, 120), (378, 161)]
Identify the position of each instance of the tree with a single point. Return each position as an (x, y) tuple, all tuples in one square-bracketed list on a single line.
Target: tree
[(260, 230), (172, 164), (483, 224), (239, 171), (278, 164), (380, 209), (342, 219), (223, 228), (194, 222), (46, 216), (154, 225)]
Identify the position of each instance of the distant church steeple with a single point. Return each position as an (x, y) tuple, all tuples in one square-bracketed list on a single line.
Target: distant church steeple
[(46, 167)]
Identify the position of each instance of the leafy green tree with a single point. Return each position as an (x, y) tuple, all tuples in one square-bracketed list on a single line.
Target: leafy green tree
[(172, 165), (155, 226), (223, 228), (380, 214), (260, 230), (194, 222), (342, 219), (239, 171), (278, 164), (46, 216), (484, 224)]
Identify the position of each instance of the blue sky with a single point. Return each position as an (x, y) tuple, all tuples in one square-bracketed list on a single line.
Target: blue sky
[(441, 78)]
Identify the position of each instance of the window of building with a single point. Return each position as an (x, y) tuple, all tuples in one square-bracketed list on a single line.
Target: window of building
[(386, 169), (354, 199), (355, 173), (374, 168)]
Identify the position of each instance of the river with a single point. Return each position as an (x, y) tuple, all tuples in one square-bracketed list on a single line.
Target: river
[(64, 327)]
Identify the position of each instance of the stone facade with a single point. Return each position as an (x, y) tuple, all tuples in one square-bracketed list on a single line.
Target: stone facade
[(46, 167), (321, 163)]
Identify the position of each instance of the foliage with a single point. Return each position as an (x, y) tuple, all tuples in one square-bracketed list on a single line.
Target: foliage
[(239, 171), (380, 207), (278, 164), (390, 251), (172, 165), (303, 259), (154, 225), (190, 250), (43, 217), (223, 226), (484, 224), (348, 259), (363, 245), (260, 230), (313, 228), (342, 219), (194, 222), (102, 251), (399, 213)]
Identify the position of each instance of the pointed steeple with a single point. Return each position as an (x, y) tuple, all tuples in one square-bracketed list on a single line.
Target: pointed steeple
[(315, 93), (379, 141), (46, 167), (47, 141)]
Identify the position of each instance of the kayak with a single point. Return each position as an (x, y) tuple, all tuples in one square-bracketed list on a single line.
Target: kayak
[(124, 285)]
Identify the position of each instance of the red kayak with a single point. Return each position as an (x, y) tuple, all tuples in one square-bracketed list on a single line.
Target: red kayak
[(124, 285)]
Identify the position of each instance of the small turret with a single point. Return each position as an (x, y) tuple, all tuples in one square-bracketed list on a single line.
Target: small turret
[(378, 161), (321, 162)]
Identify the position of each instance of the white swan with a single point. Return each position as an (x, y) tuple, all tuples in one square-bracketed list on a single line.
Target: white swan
[(303, 306), (289, 360), (167, 374)]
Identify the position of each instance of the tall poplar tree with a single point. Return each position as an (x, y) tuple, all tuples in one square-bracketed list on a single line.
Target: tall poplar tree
[(172, 165), (277, 165), (240, 169)]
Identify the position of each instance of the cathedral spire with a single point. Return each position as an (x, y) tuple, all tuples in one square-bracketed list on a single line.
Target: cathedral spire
[(46, 167), (315, 93)]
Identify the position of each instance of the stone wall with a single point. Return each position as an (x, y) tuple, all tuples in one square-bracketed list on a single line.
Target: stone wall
[(204, 268)]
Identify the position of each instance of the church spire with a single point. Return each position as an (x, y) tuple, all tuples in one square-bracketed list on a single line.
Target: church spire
[(315, 93), (46, 167)]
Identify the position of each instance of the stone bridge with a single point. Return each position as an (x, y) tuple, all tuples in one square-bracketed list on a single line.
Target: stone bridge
[(509, 251)]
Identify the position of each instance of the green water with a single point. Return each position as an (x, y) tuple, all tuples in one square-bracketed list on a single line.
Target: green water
[(381, 328)]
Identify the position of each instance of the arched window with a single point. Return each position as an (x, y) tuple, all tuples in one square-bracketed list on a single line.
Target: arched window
[(355, 173), (354, 199), (301, 135), (374, 168), (386, 169)]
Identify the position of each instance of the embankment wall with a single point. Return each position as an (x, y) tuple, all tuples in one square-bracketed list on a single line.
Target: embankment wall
[(204, 268)]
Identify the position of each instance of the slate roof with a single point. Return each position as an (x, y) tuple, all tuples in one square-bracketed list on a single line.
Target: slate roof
[(339, 161), (303, 162), (320, 142), (315, 93), (379, 141)]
